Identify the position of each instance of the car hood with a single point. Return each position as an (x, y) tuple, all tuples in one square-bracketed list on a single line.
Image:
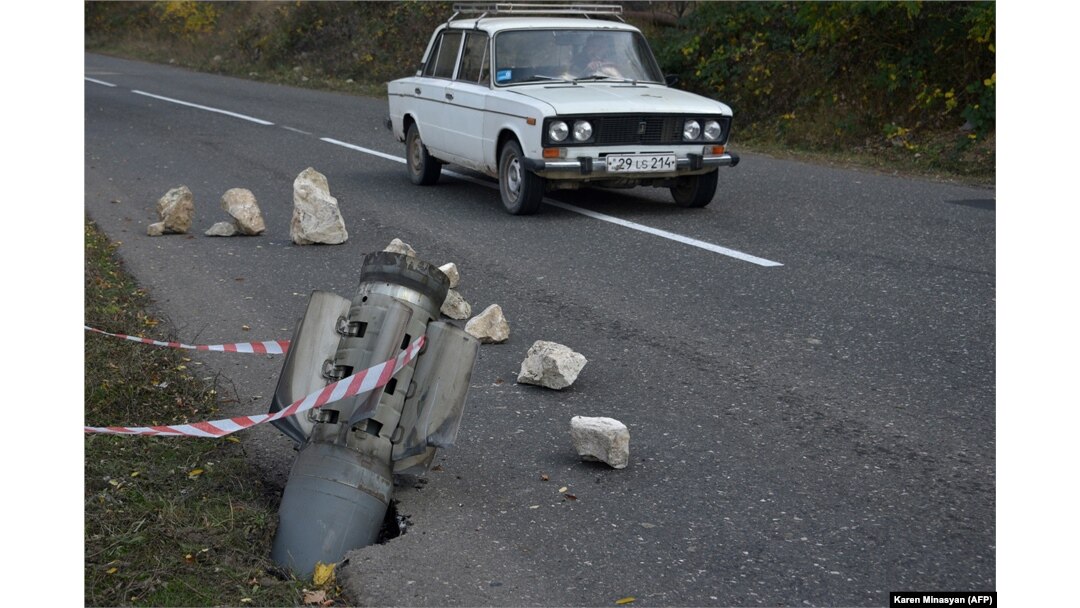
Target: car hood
[(597, 97)]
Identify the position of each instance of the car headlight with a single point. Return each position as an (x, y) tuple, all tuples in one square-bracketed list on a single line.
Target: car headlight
[(691, 130), (557, 131), (712, 130), (582, 130)]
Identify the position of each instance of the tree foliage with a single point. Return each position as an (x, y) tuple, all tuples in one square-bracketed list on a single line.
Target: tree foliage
[(837, 73)]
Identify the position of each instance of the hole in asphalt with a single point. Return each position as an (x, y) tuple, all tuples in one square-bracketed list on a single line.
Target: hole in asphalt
[(394, 524)]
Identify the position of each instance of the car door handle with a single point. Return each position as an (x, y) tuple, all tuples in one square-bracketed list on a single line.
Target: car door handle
[(416, 90), (450, 96)]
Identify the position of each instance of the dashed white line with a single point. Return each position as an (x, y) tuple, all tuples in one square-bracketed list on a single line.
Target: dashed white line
[(207, 108), (96, 81), (672, 236)]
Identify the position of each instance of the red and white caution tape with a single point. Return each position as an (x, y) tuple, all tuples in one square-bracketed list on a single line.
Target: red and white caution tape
[(272, 347), (357, 384)]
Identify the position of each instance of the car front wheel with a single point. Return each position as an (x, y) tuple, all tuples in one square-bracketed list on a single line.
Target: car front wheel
[(424, 169), (520, 189), (695, 190)]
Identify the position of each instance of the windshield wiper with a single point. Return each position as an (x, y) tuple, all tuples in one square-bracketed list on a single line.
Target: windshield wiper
[(593, 77), (537, 77)]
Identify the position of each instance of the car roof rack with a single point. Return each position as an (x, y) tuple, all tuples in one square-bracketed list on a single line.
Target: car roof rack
[(491, 9)]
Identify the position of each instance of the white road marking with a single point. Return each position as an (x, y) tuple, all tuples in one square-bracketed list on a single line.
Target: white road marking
[(96, 81), (295, 130), (207, 108), (396, 159), (672, 236), (731, 253)]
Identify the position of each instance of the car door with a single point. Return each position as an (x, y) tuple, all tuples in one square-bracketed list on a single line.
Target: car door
[(466, 97), (433, 113)]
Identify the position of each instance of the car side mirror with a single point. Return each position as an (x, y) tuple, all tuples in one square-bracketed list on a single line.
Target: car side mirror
[(671, 80)]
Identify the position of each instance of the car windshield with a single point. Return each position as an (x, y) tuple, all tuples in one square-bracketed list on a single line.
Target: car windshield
[(523, 56)]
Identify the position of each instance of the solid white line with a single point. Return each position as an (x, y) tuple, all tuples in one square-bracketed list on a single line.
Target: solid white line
[(207, 108), (396, 159), (732, 253), (101, 82)]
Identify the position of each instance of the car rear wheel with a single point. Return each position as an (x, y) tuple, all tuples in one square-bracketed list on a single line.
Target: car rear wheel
[(520, 189), (695, 190), (424, 169)]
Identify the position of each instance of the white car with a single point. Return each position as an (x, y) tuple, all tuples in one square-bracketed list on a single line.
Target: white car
[(553, 102)]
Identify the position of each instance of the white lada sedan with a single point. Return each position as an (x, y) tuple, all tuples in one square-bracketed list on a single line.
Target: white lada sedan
[(545, 103)]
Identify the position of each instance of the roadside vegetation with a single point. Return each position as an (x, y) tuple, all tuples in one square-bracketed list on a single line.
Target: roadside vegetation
[(899, 86), (169, 521)]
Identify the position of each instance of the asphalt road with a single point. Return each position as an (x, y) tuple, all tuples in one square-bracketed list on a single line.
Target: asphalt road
[(812, 413)]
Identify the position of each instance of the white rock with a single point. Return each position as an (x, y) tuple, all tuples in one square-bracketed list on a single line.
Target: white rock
[(490, 326), (399, 246), (604, 439), (175, 210), (316, 217), (551, 365), (156, 229), (240, 203), (221, 229), (455, 306), (451, 272)]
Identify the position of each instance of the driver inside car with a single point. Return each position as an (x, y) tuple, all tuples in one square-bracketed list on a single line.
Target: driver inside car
[(596, 58)]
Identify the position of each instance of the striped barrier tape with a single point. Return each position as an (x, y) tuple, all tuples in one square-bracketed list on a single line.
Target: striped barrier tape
[(357, 384), (271, 347)]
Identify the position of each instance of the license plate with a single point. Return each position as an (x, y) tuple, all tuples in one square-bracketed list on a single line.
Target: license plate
[(640, 163)]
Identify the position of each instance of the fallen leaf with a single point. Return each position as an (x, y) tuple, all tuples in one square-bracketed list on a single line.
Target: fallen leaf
[(246, 600), (193, 473), (625, 600), (314, 597), (570, 497), (112, 570), (232, 439), (437, 467), (562, 490), (245, 327), (189, 558), (324, 573), (134, 473), (543, 477)]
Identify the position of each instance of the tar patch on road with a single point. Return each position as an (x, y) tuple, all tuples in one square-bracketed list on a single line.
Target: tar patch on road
[(986, 204)]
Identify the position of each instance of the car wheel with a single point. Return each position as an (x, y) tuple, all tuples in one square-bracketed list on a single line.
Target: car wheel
[(424, 169), (520, 189), (695, 190)]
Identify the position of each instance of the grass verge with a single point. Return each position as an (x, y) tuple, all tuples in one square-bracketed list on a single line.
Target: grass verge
[(169, 521)]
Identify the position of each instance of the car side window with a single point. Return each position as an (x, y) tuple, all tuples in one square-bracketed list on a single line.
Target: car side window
[(444, 57), (474, 59)]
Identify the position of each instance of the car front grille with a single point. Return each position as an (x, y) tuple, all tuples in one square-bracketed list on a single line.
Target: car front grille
[(619, 130)]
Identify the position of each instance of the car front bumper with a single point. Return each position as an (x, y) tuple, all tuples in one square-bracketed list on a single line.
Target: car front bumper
[(584, 167)]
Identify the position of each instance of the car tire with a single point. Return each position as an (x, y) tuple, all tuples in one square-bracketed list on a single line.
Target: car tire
[(520, 189), (424, 169), (695, 190)]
